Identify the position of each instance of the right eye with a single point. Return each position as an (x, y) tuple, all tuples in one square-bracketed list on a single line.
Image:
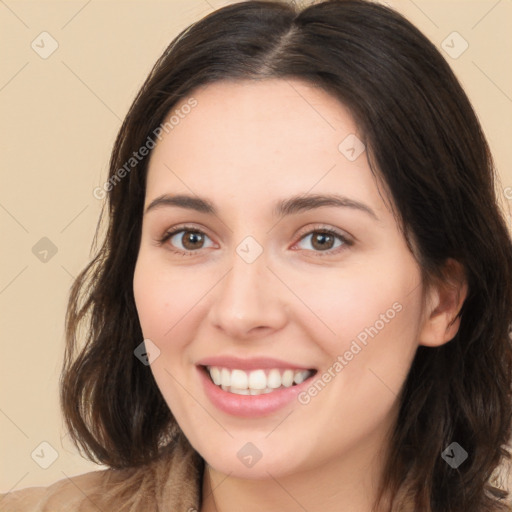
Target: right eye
[(191, 239)]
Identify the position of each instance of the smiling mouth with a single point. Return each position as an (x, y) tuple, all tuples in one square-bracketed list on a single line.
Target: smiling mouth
[(256, 382)]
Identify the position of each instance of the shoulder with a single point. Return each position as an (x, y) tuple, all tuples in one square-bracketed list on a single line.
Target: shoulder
[(172, 481), (66, 494)]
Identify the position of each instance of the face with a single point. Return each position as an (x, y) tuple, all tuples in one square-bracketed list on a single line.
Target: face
[(280, 292)]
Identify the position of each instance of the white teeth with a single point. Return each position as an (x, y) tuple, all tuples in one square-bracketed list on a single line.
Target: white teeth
[(225, 377), (239, 379), (300, 376), (256, 382), (287, 378), (274, 379), (239, 391), (215, 373)]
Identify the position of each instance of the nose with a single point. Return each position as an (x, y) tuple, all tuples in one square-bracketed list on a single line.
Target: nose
[(249, 301)]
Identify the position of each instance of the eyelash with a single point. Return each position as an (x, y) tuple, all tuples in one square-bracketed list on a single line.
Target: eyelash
[(346, 242)]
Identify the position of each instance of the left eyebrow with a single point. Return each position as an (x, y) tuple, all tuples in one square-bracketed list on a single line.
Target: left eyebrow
[(284, 207), (305, 202)]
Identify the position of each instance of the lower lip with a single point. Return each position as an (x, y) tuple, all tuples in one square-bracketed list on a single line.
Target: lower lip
[(250, 406)]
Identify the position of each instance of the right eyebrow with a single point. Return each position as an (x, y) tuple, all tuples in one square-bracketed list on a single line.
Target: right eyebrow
[(183, 201)]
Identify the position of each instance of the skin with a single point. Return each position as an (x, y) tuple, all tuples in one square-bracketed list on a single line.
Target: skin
[(243, 147)]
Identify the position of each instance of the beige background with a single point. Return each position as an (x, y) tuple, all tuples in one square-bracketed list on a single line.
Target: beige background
[(59, 119)]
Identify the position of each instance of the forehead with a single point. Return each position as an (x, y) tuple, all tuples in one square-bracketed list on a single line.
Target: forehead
[(255, 138)]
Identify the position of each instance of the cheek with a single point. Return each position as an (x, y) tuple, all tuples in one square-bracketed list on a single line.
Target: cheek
[(162, 298), (363, 303), (375, 317), (374, 312), (164, 302), (151, 299)]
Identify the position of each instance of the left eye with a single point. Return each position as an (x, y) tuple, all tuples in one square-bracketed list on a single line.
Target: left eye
[(324, 241)]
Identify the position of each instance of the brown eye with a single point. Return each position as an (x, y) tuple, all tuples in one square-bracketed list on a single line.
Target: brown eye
[(192, 240), (186, 240), (322, 241), (325, 241)]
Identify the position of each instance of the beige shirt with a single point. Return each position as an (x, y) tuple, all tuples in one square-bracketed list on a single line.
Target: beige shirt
[(170, 484)]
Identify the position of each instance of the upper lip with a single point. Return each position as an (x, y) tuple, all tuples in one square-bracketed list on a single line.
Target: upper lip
[(253, 363)]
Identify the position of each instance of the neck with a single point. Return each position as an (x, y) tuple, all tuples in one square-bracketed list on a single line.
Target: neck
[(346, 483)]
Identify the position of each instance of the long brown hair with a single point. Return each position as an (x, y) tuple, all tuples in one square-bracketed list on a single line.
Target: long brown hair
[(424, 141)]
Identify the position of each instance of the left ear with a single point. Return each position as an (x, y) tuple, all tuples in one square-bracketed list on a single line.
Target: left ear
[(443, 303)]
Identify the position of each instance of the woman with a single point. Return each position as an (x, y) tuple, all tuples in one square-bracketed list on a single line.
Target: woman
[(304, 294)]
